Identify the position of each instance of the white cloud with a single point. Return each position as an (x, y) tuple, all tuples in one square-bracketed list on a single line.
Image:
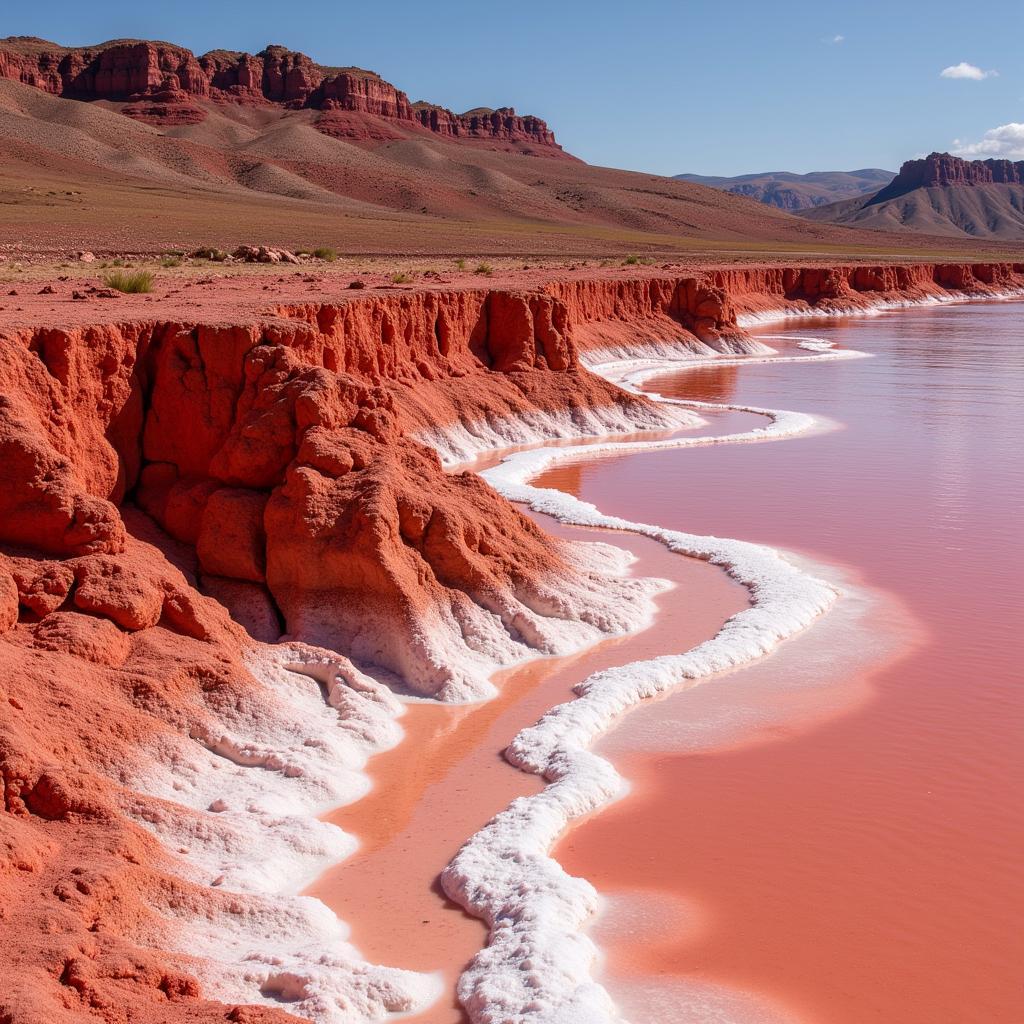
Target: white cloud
[(1006, 141), (965, 70), (835, 40)]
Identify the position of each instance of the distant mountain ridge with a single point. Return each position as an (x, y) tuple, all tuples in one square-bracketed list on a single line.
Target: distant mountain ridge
[(786, 190), (940, 194)]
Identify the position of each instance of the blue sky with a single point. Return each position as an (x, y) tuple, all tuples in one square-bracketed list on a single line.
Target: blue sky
[(707, 87)]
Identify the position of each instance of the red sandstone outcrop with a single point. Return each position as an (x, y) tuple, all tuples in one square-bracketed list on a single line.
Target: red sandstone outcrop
[(942, 170), (940, 195), (277, 452), (284, 451), (162, 83)]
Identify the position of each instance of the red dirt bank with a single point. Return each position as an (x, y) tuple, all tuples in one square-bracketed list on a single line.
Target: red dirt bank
[(276, 443)]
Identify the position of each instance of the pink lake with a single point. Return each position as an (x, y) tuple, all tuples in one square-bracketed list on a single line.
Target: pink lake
[(835, 834)]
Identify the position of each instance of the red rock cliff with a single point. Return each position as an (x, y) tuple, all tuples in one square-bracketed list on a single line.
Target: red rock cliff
[(162, 73), (942, 170), (708, 306), (284, 451)]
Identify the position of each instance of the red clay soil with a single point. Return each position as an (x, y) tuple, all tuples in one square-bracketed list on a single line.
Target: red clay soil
[(272, 438)]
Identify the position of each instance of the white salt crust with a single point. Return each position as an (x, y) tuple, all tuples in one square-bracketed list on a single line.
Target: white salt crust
[(537, 965), (238, 803), (683, 348), (463, 441), (461, 644), (538, 961)]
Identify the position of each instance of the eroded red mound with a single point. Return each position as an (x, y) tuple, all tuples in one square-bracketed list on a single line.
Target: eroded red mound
[(111, 653)]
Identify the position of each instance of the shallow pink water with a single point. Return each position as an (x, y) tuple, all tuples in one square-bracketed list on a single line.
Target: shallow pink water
[(835, 835)]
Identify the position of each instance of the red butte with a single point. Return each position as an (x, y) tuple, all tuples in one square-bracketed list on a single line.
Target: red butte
[(165, 84)]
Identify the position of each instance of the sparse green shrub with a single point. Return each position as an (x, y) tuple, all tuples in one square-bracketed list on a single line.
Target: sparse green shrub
[(484, 268), (134, 281), (325, 253), (631, 261), (401, 278), (170, 261), (460, 264)]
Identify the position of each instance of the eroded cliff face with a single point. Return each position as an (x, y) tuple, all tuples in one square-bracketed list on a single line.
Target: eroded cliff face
[(273, 465), (162, 84), (942, 170), (174, 493), (285, 452), (611, 317)]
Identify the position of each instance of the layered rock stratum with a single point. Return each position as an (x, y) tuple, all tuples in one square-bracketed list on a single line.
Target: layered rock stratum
[(160, 83), (225, 525)]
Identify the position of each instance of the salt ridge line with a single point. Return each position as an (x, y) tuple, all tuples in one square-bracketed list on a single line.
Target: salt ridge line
[(462, 441), (270, 771), (537, 962), (629, 373)]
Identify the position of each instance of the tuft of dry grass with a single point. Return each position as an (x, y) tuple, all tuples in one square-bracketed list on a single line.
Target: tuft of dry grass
[(326, 253), (401, 278), (484, 268), (131, 281)]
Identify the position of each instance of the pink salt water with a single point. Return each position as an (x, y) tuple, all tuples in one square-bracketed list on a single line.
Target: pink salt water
[(831, 834), (834, 835)]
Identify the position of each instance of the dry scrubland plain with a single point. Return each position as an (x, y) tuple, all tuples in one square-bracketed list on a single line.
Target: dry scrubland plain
[(76, 175)]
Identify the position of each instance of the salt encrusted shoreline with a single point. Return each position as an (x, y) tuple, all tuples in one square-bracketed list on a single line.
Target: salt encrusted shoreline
[(266, 852), (537, 963), (236, 804), (298, 749), (871, 308)]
